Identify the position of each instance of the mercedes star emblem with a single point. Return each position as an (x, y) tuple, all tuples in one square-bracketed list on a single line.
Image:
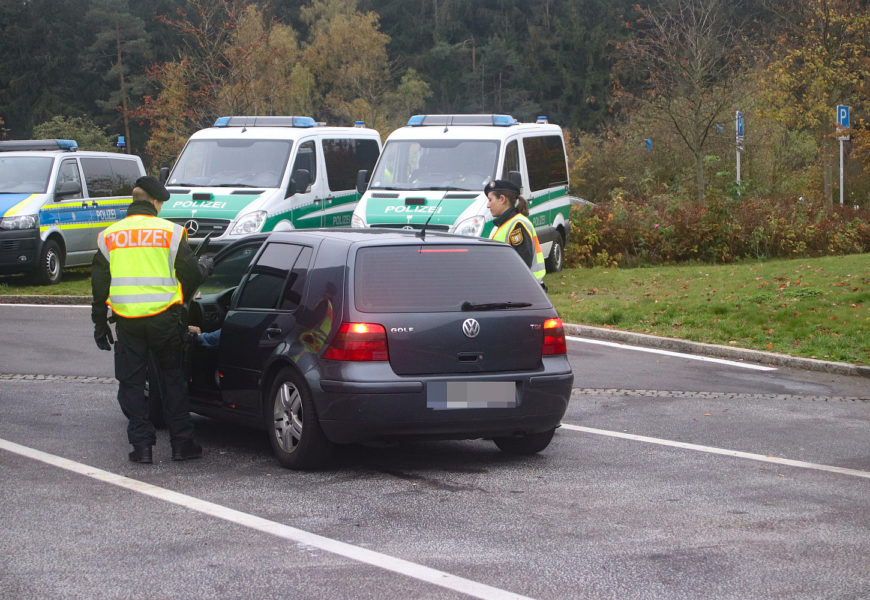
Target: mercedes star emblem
[(192, 227)]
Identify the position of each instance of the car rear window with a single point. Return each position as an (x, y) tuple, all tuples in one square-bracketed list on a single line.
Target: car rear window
[(437, 278)]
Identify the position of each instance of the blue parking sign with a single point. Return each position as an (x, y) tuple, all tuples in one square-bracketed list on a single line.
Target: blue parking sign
[(843, 116)]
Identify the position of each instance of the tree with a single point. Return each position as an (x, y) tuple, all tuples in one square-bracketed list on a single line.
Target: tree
[(121, 44), (83, 130), (689, 56)]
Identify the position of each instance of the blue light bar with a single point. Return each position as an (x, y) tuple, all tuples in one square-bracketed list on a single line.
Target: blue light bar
[(268, 121), (36, 145), (69, 145), (542, 120), (460, 120), (359, 123)]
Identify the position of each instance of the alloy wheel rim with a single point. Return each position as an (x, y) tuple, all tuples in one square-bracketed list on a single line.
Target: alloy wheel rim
[(287, 417)]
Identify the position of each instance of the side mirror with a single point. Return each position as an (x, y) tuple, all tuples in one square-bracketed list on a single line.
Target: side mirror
[(515, 178), (164, 174), (362, 181), (67, 188), (299, 182)]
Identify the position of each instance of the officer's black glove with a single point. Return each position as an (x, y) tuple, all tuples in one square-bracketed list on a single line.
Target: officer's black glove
[(103, 336), (207, 264)]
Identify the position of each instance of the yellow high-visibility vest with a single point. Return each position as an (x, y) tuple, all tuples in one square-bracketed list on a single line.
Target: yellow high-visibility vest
[(538, 268), (141, 251)]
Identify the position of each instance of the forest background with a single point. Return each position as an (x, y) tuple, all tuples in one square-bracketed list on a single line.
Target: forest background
[(646, 92)]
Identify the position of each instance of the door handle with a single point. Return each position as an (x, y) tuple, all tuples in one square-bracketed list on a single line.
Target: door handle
[(273, 331)]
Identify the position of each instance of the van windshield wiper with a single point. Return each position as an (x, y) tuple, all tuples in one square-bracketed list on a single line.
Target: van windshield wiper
[(493, 305)]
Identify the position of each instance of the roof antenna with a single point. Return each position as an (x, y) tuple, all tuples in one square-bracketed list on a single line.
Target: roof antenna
[(422, 233)]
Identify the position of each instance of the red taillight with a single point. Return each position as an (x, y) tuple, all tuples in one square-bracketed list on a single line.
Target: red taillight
[(554, 338), (359, 342)]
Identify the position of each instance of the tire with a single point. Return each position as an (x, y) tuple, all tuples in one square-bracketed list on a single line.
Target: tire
[(556, 259), (49, 267), (525, 445), (292, 425)]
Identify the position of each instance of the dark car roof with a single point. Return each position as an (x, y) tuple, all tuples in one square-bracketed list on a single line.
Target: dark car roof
[(375, 236)]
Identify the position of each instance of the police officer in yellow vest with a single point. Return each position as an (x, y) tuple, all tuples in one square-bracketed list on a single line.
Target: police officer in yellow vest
[(511, 224), (141, 270)]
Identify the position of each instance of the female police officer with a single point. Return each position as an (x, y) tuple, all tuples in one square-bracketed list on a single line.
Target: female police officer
[(511, 225)]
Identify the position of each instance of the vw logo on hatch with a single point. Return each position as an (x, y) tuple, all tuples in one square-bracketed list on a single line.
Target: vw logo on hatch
[(192, 227), (470, 327)]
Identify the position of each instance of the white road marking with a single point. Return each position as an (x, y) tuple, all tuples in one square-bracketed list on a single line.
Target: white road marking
[(370, 557), (723, 451), (48, 305), (721, 361)]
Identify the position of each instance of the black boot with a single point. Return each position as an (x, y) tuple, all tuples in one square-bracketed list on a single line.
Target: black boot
[(141, 454), (186, 451)]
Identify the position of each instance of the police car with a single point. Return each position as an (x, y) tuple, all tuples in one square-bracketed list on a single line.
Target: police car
[(250, 174), (54, 200), (432, 172)]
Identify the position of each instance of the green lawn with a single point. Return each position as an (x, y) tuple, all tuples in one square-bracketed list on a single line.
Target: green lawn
[(817, 308)]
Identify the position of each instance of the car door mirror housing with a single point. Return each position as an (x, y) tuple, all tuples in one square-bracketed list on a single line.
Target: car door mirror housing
[(362, 181), (67, 188), (299, 182)]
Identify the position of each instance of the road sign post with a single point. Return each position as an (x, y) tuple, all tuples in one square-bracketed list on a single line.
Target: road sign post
[(842, 124), (739, 141)]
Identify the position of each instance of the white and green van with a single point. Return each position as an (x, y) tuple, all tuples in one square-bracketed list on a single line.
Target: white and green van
[(55, 200), (432, 172), (248, 174)]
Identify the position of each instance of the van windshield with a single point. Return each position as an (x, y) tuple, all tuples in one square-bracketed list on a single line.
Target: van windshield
[(436, 165), (24, 174), (232, 163)]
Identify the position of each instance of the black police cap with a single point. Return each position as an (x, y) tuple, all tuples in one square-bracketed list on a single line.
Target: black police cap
[(153, 188), (501, 185)]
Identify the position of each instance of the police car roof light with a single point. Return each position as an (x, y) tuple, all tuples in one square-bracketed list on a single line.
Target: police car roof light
[(457, 120), (267, 121), (542, 120), (359, 123), (13, 145)]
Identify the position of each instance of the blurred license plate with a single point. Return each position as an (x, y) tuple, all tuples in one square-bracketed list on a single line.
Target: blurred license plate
[(456, 395)]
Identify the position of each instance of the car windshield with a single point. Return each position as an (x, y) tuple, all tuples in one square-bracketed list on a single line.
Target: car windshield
[(24, 174), (443, 279), (436, 165), (232, 163)]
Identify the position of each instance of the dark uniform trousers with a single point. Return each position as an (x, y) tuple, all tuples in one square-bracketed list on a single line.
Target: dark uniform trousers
[(161, 335)]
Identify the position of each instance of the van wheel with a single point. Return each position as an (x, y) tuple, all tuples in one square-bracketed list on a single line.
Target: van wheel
[(557, 256), (294, 431), (525, 445), (49, 267)]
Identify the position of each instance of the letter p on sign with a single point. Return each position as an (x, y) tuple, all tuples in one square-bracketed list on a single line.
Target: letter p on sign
[(843, 117)]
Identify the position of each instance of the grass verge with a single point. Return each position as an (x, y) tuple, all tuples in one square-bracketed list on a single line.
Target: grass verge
[(817, 308)]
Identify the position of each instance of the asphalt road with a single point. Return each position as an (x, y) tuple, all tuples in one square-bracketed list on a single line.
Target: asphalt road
[(672, 477)]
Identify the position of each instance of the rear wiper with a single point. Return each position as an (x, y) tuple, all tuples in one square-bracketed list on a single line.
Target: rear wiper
[(493, 305)]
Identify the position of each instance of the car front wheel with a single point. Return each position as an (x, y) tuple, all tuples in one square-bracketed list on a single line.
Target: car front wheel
[(294, 431), (525, 445), (50, 265)]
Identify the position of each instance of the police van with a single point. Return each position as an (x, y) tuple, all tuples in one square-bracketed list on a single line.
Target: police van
[(54, 200), (432, 172), (248, 174)]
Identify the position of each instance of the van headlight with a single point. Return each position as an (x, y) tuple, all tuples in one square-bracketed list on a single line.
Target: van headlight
[(20, 222), (472, 226), (357, 221), (251, 223)]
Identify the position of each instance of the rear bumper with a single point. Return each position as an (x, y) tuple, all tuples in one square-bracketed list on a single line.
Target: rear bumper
[(354, 411), (18, 250)]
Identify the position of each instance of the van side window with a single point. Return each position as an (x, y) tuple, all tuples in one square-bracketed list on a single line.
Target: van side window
[(344, 158), (306, 158), (545, 159), (511, 159), (98, 176), (125, 173), (68, 176)]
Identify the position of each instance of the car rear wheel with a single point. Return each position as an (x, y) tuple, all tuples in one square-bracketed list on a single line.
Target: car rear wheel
[(525, 445), (554, 261), (50, 265), (294, 431)]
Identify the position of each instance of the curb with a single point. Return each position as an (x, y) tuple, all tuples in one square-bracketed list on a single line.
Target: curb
[(610, 335)]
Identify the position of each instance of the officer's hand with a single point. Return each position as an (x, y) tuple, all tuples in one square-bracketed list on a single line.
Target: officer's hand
[(207, 263), (103, 336)]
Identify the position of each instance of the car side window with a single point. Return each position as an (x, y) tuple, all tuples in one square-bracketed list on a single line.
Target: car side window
[(67, 179), (228, 272), (344, 158), (545, 159), (99, 177), (306, 158), (124, 176), (275, 282)]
